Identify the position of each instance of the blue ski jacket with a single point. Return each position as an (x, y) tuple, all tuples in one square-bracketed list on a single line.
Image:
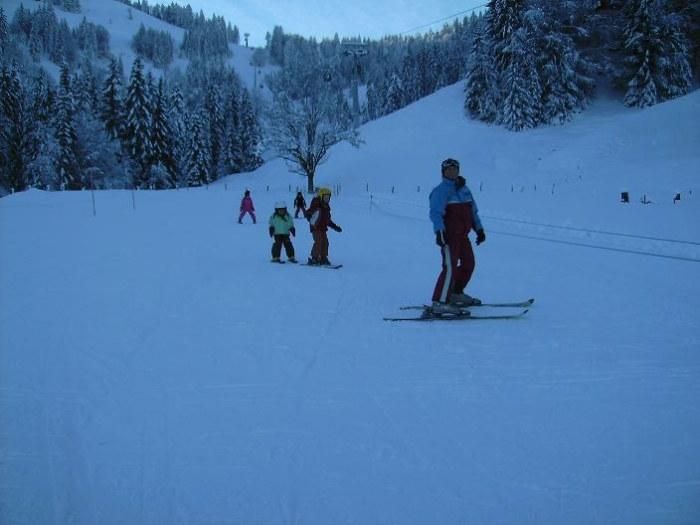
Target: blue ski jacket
[(453, 209)]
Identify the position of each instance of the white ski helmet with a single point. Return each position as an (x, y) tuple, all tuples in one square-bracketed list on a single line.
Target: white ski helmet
[(280, 205)]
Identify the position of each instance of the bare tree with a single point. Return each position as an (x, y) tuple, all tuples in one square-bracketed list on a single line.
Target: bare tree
[(303, 129)]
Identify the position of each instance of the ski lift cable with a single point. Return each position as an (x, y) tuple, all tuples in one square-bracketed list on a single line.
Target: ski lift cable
[(413, 30)]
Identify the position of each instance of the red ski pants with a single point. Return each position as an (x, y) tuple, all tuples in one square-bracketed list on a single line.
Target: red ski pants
[(320, 248), (457, 268)]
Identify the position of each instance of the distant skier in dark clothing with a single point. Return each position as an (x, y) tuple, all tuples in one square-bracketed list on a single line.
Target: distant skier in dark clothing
[(299, 205), (319, 216), (454, 214), (281, 226), (247, 207)]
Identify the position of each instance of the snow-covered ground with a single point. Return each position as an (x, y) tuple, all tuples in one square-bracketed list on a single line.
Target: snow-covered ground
[(156, 368), (123, 23)]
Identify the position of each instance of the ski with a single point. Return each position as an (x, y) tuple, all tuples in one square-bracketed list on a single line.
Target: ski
[(520, 304), (464, 316), (277, 262), (327, 266)]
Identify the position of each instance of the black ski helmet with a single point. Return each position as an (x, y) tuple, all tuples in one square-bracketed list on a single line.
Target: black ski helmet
[(449, 163)]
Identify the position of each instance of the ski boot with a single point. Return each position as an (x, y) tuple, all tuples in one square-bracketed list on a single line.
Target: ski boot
[(439, 308), (462, 299)]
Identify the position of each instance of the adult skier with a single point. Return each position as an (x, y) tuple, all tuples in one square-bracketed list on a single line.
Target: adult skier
[(454, 213), (281, 226), (319, 216)]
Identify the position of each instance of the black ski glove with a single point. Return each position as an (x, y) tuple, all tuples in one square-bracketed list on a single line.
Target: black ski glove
[(440, 239), (336, 228), (272, 231), (293, 231), (480, 237), (460, 182)]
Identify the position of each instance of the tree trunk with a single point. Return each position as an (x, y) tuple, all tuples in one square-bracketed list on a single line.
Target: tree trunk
[(310, 181)]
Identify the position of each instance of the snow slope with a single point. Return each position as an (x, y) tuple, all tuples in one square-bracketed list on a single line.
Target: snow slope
[(123, 23), (155, 368)]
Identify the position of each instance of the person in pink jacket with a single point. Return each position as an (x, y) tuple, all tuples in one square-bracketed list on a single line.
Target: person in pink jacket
[(247, 207)]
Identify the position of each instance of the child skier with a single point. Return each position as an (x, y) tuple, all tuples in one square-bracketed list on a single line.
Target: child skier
[(281, 225), (319, 216), (247, 207), (299, 205)]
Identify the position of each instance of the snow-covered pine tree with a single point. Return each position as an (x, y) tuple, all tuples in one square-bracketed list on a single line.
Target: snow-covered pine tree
[(448, 61), (17, 136), (165, 49), (689, 11), (503, 19), (85, 89), (72, 6), (675, 69), (4, 33), (522, 108), (394, 95), (151, 88), (35, 45), (122, 74), (41, 169), (8, 80), (432, 62), (199, 158), (232, 154), (4, 127), (656, 54), (641, 90), (410, 79), (565, 88), (205, 40), (178, 125), (136, 132), (644, 48), (250, 134), (215, 120), (43, 98), (65, 48), (374, 102), (276, 45), (66, 137), (481, 88), (43, 27), (162, 156), (112, 107), (86, 35), (21, 22), (97, 154), (102, 42), (156, 46)]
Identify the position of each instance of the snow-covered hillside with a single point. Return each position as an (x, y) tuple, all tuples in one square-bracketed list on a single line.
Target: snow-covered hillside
[(156, 368), (123, 23)]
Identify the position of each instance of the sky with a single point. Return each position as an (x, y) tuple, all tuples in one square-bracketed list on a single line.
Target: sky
[(325, 18)]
